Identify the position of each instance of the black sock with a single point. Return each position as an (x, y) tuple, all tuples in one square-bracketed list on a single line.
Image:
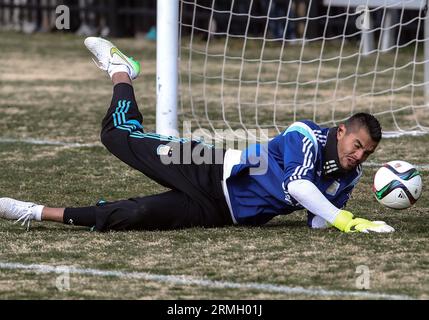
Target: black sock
[(80, 216)]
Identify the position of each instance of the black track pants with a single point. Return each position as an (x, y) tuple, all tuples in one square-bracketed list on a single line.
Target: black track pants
[(196, 197)]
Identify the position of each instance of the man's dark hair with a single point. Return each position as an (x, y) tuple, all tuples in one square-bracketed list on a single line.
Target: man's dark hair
[(367, 121)]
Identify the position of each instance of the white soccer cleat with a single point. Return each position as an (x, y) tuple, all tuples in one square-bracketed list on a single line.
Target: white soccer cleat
[(109, 58), (20, 211)]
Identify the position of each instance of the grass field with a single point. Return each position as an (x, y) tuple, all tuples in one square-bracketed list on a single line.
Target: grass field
[(51, 91)]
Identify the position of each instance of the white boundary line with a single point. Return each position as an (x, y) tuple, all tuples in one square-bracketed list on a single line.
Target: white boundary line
[(50, 143), (377, 165), (97, 144), (187, 281)]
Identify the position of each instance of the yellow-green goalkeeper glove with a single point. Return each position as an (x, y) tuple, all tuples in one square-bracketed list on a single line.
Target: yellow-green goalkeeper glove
[(347, 223)]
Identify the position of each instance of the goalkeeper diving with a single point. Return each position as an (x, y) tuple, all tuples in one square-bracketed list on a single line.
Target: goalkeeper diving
[(304, 167)]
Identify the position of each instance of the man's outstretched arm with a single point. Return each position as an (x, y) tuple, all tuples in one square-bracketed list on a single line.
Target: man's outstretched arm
[(310, 197)]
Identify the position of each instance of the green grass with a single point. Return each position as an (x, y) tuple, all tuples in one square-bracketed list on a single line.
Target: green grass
[(50, 90)]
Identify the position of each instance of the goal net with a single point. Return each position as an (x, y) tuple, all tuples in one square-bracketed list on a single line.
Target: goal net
[(249, 65)]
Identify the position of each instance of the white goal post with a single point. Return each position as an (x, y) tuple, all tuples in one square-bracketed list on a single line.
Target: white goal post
[(167, 66), (246, 65)]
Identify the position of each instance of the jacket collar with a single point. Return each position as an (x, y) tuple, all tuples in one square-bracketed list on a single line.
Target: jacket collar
[(331, 163)]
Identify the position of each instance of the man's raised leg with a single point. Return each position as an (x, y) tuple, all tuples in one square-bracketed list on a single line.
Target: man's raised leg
[(121, 70)]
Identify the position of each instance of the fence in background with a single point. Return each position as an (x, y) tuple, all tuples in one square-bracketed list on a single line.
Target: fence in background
[(135, 17), (87, 17)]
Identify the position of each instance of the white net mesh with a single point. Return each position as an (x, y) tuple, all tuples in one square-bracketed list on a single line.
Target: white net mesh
[(252, 64)]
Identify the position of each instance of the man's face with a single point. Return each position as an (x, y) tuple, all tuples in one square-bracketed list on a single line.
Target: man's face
[(354, 147)]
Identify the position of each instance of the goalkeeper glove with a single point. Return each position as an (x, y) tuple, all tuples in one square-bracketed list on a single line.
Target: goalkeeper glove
[(347, 223)]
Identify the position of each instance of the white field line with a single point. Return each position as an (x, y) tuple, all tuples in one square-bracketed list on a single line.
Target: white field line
[(377, 165), (191, 281), (97, 144), (50, 143)]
